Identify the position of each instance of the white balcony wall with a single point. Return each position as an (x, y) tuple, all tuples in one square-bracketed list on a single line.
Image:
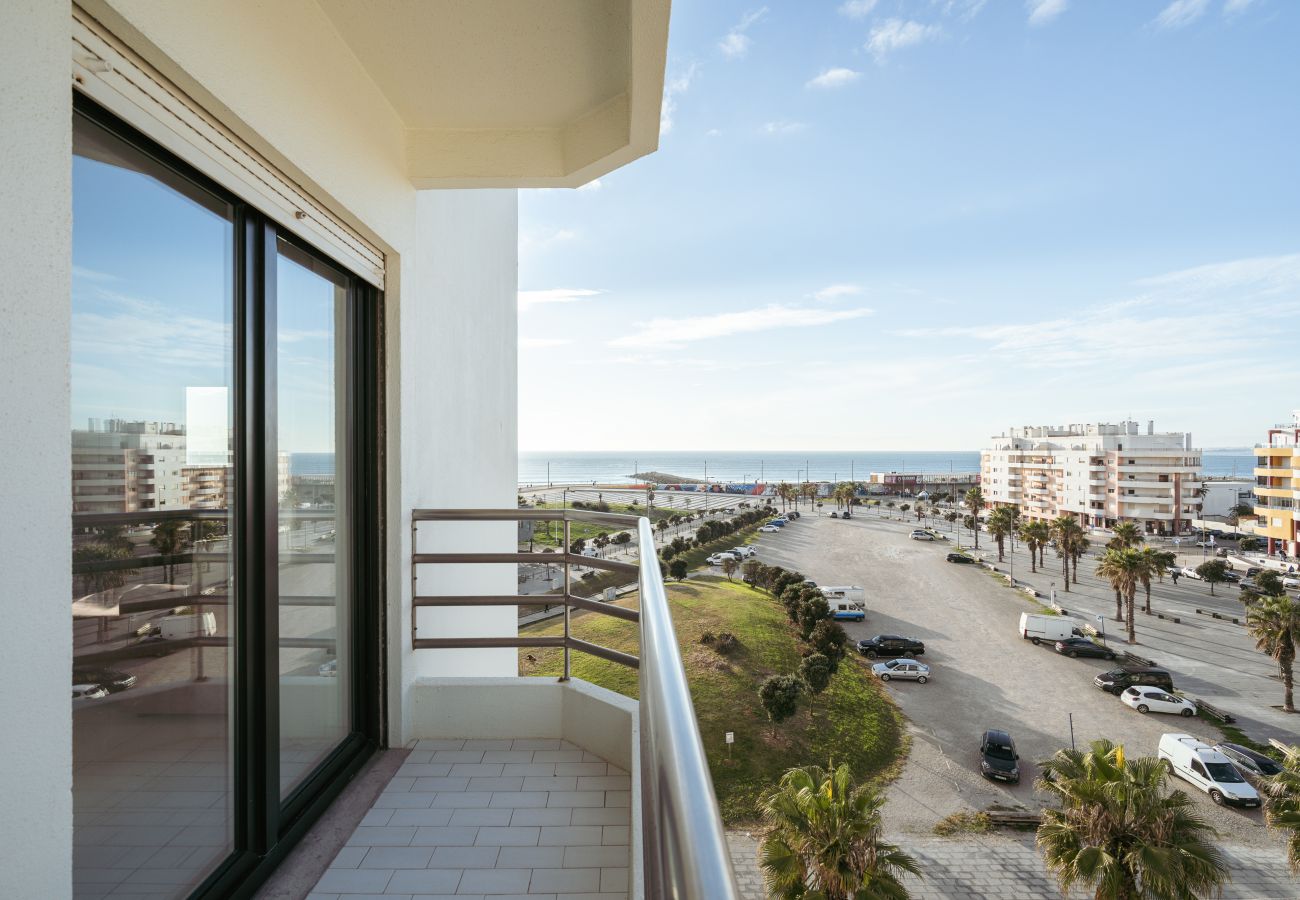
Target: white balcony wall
[(36, 259)]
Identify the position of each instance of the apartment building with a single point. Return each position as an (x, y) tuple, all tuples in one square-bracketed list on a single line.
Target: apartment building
[(292, 228), (1100, 473), (1277, 487)]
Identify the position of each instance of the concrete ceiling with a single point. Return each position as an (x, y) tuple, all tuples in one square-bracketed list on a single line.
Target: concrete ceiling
[(526, 93)]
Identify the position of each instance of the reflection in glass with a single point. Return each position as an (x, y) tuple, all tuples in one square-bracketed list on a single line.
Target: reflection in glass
[(315, 590), (151, 607)]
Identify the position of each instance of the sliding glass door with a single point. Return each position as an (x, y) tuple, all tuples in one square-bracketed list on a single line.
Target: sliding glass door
[(225, 607)]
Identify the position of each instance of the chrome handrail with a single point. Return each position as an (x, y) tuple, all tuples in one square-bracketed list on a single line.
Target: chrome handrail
[(685, 852)]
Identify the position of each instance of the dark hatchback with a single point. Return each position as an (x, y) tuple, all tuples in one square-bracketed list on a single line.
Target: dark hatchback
[(998, 757), (959, 558), (111, 681), (1076, 646), (890, 645)]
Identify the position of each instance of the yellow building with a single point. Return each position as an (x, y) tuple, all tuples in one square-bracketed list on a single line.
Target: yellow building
[(1277, 485)]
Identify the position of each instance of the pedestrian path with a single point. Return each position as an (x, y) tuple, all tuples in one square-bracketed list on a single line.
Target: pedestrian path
[(998, 867)]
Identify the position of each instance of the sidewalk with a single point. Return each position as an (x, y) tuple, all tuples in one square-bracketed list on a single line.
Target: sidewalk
[(1000, 867)]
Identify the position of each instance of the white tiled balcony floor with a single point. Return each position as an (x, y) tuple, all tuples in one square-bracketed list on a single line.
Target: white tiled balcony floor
[(491, 819)]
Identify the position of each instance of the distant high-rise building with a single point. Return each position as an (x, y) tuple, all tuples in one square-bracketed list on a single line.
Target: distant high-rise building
[(1277, 480), (1100, 473)]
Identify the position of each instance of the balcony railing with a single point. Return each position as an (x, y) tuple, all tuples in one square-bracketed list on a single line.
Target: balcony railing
[(684, 850)]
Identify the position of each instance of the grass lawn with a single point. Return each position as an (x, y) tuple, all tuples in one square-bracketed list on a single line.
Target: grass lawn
[(855, 722), (550, 537)]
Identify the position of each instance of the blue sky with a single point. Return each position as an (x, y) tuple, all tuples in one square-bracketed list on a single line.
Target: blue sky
[(907, 225)]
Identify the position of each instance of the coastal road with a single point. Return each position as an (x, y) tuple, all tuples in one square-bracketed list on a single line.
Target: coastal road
[(984, 675)]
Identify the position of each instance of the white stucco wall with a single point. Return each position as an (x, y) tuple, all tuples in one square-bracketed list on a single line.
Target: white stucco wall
[(35, 498)]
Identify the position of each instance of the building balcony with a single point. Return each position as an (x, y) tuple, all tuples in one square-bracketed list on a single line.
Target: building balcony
[(1274, 491)]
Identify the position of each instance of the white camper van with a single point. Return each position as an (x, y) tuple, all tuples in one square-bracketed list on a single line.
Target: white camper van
[(1196, 761), (847, 602), (1038, 628)]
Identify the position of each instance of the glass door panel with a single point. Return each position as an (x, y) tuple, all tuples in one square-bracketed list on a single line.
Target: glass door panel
[(152, 490), (315, 603)]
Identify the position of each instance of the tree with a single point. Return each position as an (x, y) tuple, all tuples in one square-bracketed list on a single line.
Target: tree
[(1002, 524), (815, 673), (1282, 805), (1128, 534), (812, 611), (1123, 568), (1274, 623), (825, 840), (1070, 544), (904, 508), (1241, 509), (830, 640), (1251, 544), (729, 566), (752, 571), (1157, 563), (1121, 833), (951, 517), (678, 569), (94, 581), (578, 545), (170, 539), (1212, 572), (974, 501), (780, 697)]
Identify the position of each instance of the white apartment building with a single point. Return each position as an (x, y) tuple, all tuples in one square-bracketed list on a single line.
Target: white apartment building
[(1101, 473)]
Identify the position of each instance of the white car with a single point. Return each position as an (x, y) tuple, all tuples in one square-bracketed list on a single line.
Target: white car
[(1154, 699), (903, 669), (718, 558), (744, 552), (1190, 572), (922, 536), (88, 692), (770, 528), (1290, 581)]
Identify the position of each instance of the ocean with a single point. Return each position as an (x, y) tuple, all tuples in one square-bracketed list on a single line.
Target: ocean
[(749, 466)]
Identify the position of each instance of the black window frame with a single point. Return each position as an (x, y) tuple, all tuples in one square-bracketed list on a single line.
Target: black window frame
[(266, 827)]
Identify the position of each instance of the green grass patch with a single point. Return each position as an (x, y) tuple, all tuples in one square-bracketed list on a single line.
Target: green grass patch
[(964, 822), (1234, 735), (853, 721), (551, 534)]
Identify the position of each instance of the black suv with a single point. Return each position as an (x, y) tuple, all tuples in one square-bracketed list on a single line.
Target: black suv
[(1076, 646), (1116, 680), (959, 558), (890, 645), (111, 681), (998, 757)]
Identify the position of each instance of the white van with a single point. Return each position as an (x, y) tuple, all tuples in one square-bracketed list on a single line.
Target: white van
[(1207, 768), (847, 609), (194, 625), (848, 593), (1037, 628)]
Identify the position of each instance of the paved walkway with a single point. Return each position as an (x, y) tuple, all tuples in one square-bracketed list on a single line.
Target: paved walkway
[(996, 867), (540, 819)]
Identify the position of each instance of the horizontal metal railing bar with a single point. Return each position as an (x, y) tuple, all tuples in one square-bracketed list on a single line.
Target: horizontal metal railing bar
[(516, 515), (485, 600), (464, 643), (575, 559), (614, 656), (599, 606)]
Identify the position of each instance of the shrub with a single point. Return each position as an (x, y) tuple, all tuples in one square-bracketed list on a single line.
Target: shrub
[(727, 642), (829, 639), (780, 697), (707, 638)]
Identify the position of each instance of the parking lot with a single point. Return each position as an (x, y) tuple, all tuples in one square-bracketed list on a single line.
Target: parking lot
[(983, 674)]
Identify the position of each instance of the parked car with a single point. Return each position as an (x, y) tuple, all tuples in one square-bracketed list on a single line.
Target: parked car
[(743, 552), (998, 757), (770, 528), (718, 558), (1117, 680), (1207, 768), (1149, 699), (902, 669), (1250, 571), (834, 514), (1290, 581), (1231, 577), (779, 523), (794, 514), (960, 558), (1255, 767), (846, 515), (890, 645), (1074, 647), (329, 669), (1037, 628), (847, 609), (84, 692), (919, 535), (112, 681), (1190, 572)]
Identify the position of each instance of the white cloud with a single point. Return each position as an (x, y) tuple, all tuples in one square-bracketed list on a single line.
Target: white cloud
[(1043, 11), (835, 291), (857, 9), (593, 185), (896, 34), (1267, 275), (664, 332), (1181, 13), (1236, 7), (529, 299), (535, 343), (833, 78), (536, 239), (783, 127), (672, 88), (736, 43)]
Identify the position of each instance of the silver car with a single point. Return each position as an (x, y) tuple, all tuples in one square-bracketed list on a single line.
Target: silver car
[(902, 669)]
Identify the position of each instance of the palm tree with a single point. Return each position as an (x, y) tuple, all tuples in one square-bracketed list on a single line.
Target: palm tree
[(1002, 524), (974, 500), (825, 840), (1274, 623), (1127, 534), (809, 491), (1036, 534), (1282, 804), (1067, 533), (1155, 564), (170, 538), (1124, 569), (1119, 831)]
